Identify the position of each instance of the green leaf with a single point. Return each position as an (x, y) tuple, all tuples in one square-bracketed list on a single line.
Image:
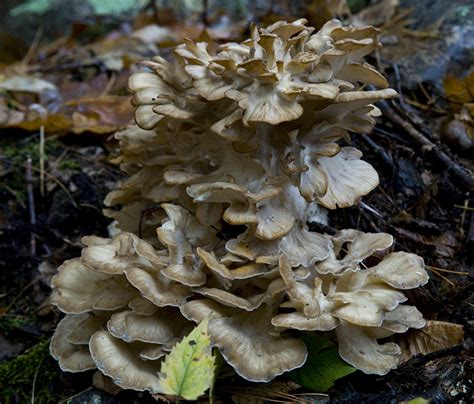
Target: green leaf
[(188, 370), (323, 366)]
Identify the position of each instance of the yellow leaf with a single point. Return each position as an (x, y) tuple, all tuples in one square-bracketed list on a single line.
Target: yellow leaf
[(455, 89), (188, 370)]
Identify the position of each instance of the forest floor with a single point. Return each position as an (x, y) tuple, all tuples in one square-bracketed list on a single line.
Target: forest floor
[(56, 122)]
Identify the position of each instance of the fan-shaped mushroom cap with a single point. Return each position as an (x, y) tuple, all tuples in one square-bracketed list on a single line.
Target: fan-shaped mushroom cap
[(359, 347), (181, 233), (303, 247), (157, 328), (403, 318), (69, 343), (122, 363), (248, 341), (362, 301), (157, 288), (401, 270), (359, 246), (125, 250), (249, 345), (78, 289), (313, 309), (232, 267), (249, 303), (344, 178)]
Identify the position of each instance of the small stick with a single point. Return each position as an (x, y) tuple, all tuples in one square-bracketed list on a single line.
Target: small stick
[(41, 160), (31, 204)]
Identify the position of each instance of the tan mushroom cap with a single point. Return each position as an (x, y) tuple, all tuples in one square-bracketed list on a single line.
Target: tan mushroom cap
[(401, 270), (181, 233), (299, 321), (313, 309), (251, 248), (249, 345), (78, 289), (360, 245), (362, 300), (82, 326), (155, 328), (359, 347), (303, 247), (119, 254), (121, 362), (248, 304), (73, 357), (403, 318), (248, 341), (156, 288), (345, 178), (245, 270)]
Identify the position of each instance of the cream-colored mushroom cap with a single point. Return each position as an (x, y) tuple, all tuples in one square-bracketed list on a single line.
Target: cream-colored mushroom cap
[(248, 342), (69, 343), (121, 361), (157, 328), (77, 289)]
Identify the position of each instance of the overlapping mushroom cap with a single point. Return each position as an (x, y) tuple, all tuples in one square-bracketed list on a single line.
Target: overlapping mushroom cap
[(362, 304), (235, 151)]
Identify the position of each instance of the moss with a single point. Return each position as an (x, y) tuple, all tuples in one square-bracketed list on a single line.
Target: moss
[(11, 323), (18, 375), (69, 164), (14, 155)]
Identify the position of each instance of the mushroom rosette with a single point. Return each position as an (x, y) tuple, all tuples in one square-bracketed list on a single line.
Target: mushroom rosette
[(235, 151)]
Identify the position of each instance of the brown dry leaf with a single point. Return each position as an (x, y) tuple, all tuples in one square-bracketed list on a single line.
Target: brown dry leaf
[(459, 90), (27, 84), (53, 123), (100, 115), (434, 336)]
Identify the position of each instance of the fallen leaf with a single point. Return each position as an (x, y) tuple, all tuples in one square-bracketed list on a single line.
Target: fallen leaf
[(188, 370), (100, 115), (434, 336), (323, 366), (459, 90), (27, 84)]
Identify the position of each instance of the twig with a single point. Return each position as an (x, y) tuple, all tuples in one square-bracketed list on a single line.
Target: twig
[(31, 204), (68, 399), (61, 185), (442, 276), (41, 160), (371, 209), (33, 388), (396, 70), (456, 168), (34, 45), (447, 270), (109, 85), (378, 150)]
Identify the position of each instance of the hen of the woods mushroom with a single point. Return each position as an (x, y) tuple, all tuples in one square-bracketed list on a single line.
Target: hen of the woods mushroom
[(236, 149)]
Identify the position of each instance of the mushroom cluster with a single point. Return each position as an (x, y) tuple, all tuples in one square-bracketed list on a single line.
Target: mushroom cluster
[(236, 149)]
